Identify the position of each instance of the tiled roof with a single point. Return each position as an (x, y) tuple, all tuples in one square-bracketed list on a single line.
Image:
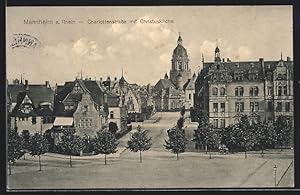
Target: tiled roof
[(163, 84), (248, 67), (37, 93)]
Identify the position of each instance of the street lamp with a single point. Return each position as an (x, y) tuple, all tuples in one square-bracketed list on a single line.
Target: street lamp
[(275, 169)]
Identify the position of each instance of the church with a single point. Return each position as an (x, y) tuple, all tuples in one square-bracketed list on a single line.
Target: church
[(177, 90)]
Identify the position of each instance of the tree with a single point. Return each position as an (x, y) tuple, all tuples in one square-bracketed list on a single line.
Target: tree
[(25, 138), (105, 143), (206, 136), (71, 143), (38, 146), (14, 147), (245, 135), (176, 142), (139, 141), (180, 122), (282, 130), (265, 135)]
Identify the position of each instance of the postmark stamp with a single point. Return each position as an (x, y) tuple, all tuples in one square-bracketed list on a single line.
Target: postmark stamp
[(24, 41)]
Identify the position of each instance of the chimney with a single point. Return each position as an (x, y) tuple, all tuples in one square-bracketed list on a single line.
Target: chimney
[(228, 60), (100, 79), (115, 78), (288, 58), (47, 84), (223, 60), (26, 85)]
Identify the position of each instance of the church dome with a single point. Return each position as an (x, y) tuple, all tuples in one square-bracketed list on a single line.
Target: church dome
[(180, 51)]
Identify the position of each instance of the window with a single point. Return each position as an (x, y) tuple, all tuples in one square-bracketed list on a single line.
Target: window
[(284, 90), (270, 90), (215, 91), (222, 123), (269, 107), (238, 76), (218, 66), (254, 106), (279, 91), (190, 96), (222, 91), (33, 120), (222, 107), (239, 91), (279, 107), (215, 107), (239, 106), (215, 123), (287, 106), (111, 114), (253, 91), (85, 123)]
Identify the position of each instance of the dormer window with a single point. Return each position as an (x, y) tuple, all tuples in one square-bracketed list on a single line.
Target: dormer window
[(238, 76)]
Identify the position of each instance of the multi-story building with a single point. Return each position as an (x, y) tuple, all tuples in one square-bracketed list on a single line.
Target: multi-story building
[(226, 90), (31, 106)]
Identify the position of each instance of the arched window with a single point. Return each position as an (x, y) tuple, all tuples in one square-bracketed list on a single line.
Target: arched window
[(251, 91), (215, 91), (239, 91), (222, 91)]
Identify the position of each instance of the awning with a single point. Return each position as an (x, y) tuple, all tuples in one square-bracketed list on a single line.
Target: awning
[(63, 121)]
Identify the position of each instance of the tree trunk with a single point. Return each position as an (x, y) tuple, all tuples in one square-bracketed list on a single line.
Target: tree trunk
[(281, 146), (206, 149), (209, 154), (262, 151), (105, 159), (40, 165), (9, 168), (245, 153), (177, 156), (24, 156), (70, 161), (140, 156)]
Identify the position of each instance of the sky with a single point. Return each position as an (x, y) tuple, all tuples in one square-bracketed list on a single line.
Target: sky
[(143, 51)]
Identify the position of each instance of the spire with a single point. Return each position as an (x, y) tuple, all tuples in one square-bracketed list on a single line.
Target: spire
[(122, 71), (179, 41), (281, 56)]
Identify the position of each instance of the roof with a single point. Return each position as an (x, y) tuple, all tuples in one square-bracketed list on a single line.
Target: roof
[(247, 67), (63, 121), (122, 81), (179, 51), (163, 84), (37, 93)]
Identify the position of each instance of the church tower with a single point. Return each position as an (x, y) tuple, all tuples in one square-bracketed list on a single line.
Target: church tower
[(180, 71)]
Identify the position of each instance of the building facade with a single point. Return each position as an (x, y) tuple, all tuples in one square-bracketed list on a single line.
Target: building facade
[(263, 90)]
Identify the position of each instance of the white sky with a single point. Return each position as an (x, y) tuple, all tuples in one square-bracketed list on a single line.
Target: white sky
[(143, 50)]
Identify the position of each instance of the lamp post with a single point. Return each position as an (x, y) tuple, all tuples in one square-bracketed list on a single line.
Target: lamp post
[(275, 169)]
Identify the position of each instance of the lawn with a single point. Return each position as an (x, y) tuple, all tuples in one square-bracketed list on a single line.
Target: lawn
[(158, 170)]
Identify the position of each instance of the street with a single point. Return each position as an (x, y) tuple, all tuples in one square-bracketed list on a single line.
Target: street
[(159, 168)]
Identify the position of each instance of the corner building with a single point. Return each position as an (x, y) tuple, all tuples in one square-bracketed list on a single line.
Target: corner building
[(226, 90)]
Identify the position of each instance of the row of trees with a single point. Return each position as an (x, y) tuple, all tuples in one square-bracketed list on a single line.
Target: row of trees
[(72, 144), (244, 135)]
